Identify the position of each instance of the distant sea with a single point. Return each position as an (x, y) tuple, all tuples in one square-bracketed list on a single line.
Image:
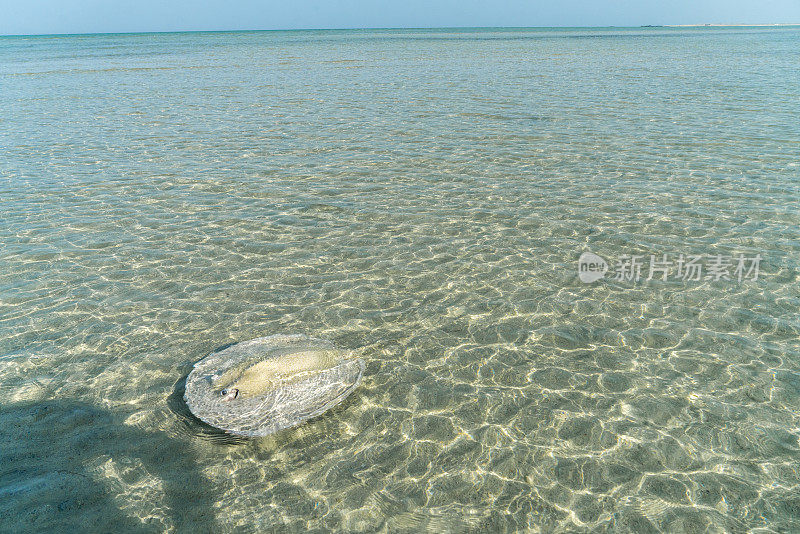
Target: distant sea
[(422, 196)]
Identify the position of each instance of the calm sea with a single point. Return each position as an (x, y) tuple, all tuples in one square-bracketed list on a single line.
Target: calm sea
[(422, 197)]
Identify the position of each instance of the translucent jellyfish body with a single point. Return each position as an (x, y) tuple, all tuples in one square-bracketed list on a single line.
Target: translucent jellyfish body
[(261, 386)]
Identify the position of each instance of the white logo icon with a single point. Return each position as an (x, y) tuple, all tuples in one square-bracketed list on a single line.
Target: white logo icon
[(591, 267)]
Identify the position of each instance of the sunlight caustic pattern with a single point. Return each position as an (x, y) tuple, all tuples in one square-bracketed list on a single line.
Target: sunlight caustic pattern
[(422, 197)]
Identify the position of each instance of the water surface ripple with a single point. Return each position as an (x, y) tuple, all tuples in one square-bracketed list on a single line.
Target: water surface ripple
[(423, 197)]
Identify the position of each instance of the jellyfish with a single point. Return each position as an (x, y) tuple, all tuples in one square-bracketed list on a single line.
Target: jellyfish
[(267, 384)]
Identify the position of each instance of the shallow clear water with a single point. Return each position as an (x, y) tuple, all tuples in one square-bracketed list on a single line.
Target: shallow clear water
[(423, 197)]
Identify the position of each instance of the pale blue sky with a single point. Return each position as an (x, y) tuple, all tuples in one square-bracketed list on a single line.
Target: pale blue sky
[(90, 16)]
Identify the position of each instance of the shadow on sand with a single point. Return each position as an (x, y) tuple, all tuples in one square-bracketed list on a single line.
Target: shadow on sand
[(65, 464)]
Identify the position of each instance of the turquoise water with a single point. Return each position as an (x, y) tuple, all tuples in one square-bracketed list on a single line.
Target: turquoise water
[(421, 197)]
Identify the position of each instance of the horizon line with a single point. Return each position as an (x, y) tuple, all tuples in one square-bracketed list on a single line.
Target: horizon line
[(365, 28)]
